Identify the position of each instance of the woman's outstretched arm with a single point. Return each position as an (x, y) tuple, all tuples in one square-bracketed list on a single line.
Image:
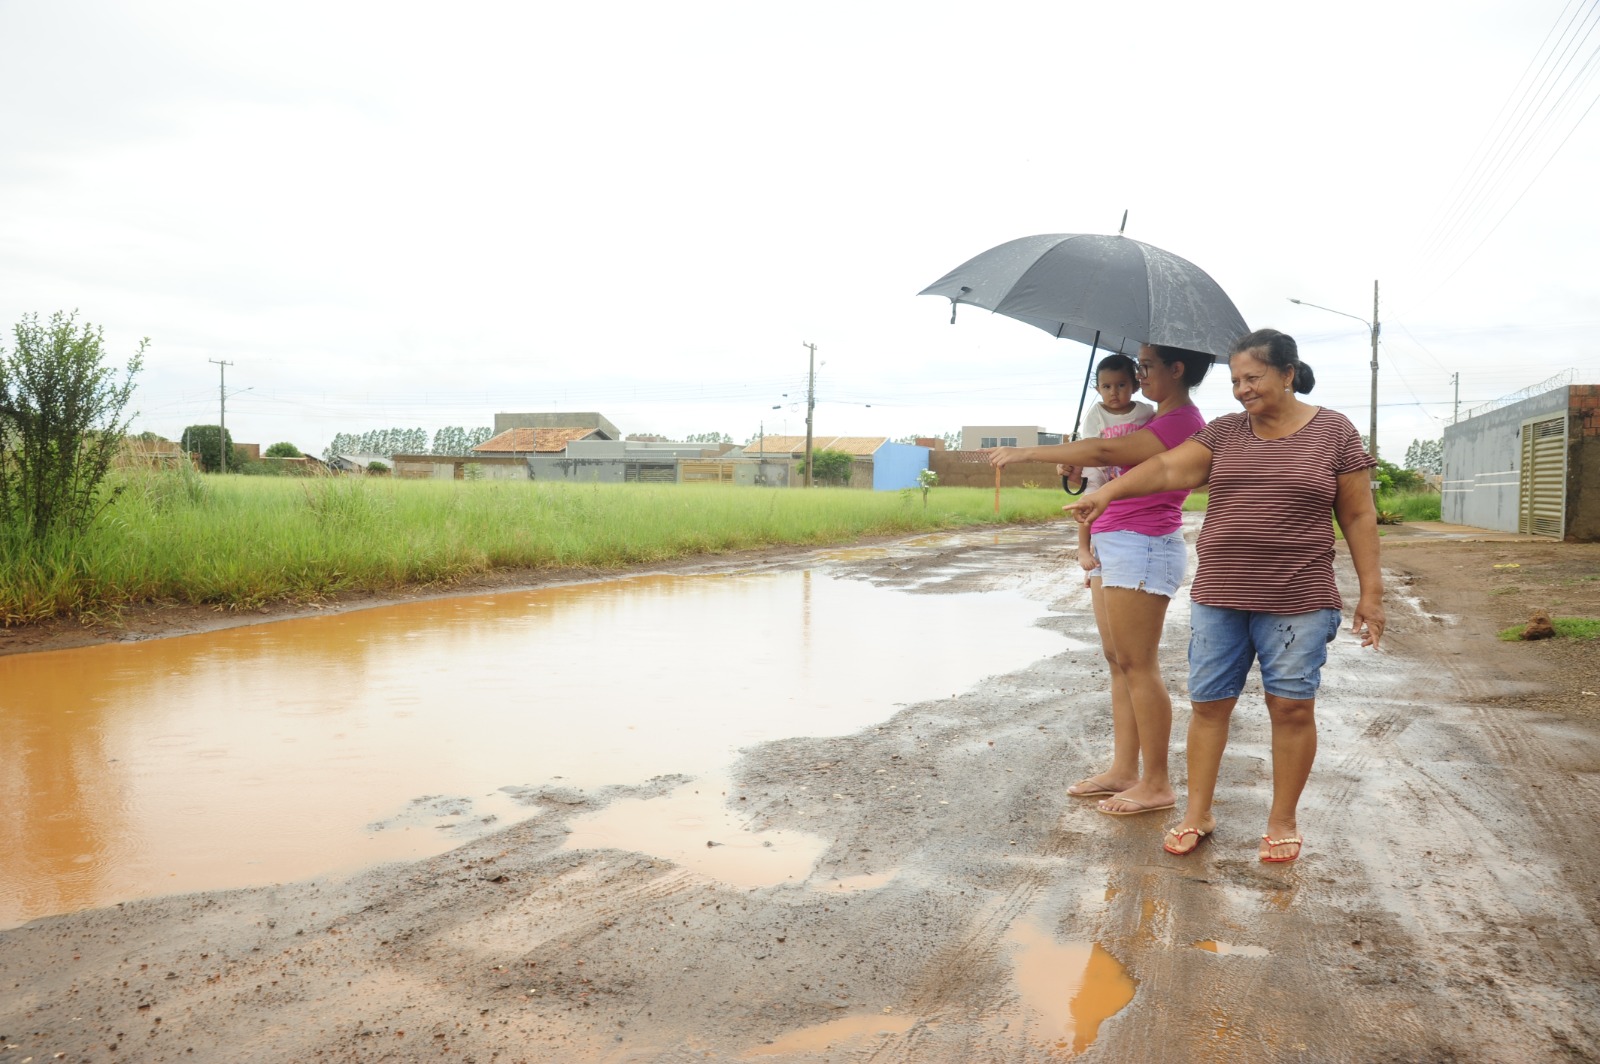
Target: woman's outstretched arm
[(1187, 465), (1125, 451)]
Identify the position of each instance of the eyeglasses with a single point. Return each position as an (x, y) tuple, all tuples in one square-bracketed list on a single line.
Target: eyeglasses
[(1142, 369)]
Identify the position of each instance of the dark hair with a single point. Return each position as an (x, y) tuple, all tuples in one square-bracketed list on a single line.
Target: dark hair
[(1118, 364), (1196, 364), (1278, 350)]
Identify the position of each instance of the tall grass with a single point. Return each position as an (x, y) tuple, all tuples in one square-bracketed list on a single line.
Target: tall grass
[(1411, 505), (244, 542)]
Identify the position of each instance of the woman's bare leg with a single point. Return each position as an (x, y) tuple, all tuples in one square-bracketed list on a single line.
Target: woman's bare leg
[(1294, 748), (1124, 770), (1208, 738), (1134, 620)]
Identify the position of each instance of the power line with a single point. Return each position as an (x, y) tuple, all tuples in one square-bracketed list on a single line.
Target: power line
[(1531, 123)]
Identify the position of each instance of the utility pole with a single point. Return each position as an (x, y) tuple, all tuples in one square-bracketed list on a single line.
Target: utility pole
[(1455, 379), (811, 403), (1374, 436), (222, 397)]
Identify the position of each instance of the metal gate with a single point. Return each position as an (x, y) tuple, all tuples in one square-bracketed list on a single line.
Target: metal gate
[(1542, 505)]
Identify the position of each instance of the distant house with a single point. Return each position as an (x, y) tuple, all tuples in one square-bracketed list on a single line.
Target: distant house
[(878, 463), (357, 463), (983, 437), (524, 442), (558, 419)]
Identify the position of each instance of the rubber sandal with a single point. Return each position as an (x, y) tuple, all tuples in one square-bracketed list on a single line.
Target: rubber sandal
[(1097, 792), (1294, 840), (1177, 835), (1137, 810)]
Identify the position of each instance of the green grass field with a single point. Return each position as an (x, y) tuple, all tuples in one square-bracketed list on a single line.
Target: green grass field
[(243, 542)]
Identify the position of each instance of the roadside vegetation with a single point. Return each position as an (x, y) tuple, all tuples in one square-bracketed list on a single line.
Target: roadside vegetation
[(1565, 628), (243, 542)]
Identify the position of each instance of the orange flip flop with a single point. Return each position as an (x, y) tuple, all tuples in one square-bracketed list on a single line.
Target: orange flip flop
[(1294, 840), (1176, 835)]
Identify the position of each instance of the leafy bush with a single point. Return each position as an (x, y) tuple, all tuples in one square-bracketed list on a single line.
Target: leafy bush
[(61, 422)]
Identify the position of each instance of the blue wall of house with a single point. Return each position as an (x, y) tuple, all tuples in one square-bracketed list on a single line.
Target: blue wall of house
[(896, 465)]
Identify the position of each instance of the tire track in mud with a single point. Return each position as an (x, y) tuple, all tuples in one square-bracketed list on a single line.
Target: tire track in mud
[(1430, 789)]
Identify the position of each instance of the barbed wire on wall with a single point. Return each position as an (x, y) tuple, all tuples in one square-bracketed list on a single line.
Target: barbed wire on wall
[(1560, 380)]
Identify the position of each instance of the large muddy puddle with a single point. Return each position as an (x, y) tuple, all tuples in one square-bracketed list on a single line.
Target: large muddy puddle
[(281, 751)]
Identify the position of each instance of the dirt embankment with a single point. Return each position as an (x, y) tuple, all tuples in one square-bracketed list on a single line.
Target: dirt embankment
[(1446, 908)]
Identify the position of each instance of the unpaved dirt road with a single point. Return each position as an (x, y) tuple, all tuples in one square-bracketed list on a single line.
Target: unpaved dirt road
[(1446, 907)]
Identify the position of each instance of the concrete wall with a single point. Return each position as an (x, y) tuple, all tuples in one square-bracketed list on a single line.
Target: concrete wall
[(640, 452), (1483, 462), (458, 467), (969, 469), (581, 470), (896, 466)]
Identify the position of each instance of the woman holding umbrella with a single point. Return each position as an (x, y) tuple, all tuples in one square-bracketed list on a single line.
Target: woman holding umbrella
[(1265, 588), (1140, 561)]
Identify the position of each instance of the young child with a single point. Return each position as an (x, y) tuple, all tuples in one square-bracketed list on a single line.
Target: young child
[(1117, 413)]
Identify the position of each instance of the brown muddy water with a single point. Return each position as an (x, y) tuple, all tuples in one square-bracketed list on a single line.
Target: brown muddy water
[(281, 751)]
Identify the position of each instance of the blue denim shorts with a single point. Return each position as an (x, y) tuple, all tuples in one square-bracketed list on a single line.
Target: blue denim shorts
[(1145, 563), (1291, 647)]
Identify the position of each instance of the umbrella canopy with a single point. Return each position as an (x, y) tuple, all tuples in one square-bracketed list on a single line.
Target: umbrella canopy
[(1110, 291)]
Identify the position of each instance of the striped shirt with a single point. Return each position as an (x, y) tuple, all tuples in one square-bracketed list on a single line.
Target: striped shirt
[(1266, 543)]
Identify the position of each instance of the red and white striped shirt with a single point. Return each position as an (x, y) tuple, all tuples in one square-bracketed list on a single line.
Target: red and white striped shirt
[(1266, 543)]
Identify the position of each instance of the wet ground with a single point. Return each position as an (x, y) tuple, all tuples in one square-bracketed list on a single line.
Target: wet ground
[(955, 905)]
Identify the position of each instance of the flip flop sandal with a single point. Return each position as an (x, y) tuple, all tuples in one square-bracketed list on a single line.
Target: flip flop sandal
[(1175, 835), (1097, 791), (1272, 843), (1137, 808)]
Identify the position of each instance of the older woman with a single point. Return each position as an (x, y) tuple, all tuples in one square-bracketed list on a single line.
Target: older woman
[(1265, 589), (1139, 561)]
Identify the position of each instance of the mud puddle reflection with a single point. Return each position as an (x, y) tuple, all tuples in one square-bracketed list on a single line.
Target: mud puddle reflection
[(280, 751), (1070, 988)]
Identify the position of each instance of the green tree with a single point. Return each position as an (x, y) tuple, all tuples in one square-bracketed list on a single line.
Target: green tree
[(831, 467), (1392, 478), (283, 450), (61, 422), (203, 440), (1426, 456)]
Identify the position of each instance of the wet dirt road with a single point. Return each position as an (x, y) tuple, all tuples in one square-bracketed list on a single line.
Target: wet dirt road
[(960, 908)]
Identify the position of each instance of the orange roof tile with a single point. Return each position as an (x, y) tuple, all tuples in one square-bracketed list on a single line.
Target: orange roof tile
[(532, 441)]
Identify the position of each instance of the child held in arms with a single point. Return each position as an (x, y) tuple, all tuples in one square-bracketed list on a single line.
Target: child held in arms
[(1117, 413)]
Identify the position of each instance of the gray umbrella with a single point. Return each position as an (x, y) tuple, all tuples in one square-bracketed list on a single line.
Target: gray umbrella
[(1110, 291)]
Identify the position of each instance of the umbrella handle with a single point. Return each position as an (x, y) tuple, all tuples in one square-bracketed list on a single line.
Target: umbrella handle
[(1068, 488)]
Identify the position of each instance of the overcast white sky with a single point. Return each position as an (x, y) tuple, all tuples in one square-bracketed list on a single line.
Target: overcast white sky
[(408, 215)]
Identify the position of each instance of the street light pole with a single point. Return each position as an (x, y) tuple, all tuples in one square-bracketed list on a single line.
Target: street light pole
[(1372, 329), (811, 403), (222, 414)]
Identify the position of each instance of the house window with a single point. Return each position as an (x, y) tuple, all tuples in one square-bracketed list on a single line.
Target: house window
[(986, 442), (1008, 441)]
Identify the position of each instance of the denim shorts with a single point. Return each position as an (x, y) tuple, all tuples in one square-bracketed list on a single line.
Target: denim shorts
[(1145, 563), (1291, 647)]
